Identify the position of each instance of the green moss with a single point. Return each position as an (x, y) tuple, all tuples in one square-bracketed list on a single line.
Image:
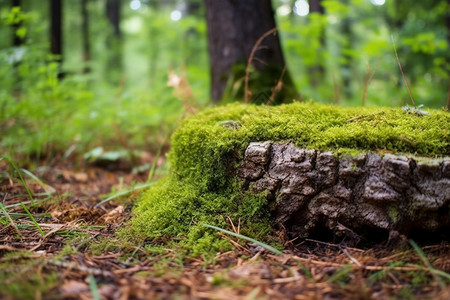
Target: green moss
[(205, 151)]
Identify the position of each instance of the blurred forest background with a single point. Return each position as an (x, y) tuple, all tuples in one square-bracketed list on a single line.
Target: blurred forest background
[(108, 86)]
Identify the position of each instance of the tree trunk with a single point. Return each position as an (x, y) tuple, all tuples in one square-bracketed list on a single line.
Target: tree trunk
[(234, 27), (56, 34), (85, 36)]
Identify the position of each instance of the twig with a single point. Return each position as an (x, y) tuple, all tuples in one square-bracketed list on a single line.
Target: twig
[(403, 75), (354, 260), (250, 59), (448, 97), (336, 89), (367, 81), (277, 87)]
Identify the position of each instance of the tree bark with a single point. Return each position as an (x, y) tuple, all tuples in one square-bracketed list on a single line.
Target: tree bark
[(56, 32), (233, 29)]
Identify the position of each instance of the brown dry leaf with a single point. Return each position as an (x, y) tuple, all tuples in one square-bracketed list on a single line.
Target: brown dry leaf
[(182, 90), (259, 270), (67, 175), (73, 287), (81, 177), (113, 214)]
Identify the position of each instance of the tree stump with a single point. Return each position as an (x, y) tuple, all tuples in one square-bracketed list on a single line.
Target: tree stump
[(310, 190), (362, 175)]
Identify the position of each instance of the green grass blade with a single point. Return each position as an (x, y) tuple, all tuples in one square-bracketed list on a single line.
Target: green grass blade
[(47, 188), (155, 160), (11, 162), (32, 219), (94, 288), (436, 273), (265, 246), (28, 202), (117, 195), (5, 212)]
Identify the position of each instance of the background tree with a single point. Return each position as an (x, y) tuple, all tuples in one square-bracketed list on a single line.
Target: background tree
[(85, 35), (317, 71), (233, 29), (114, 66), (18, 38), (56, 31)]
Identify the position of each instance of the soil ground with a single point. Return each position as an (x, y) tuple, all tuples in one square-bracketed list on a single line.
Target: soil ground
[(78, 256)]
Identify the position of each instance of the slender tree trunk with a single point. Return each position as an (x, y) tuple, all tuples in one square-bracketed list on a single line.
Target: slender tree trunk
[(17, 40), (85, 36), (233, 29), (113, 42), (346, 65), (317, 72), (56, 33), (113, 15), (447, 25)]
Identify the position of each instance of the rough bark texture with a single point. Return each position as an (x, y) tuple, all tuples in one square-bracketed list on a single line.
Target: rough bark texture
[(357, 196), (233, 29)]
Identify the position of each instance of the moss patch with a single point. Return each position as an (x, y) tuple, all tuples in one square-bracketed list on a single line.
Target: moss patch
[(208, 146)]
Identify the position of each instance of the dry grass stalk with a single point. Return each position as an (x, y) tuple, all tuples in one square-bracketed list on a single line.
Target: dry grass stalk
[(336, 90), (448, 97), (182, 90), (256, 47), (277, 88), (403, 75), (367, 81)]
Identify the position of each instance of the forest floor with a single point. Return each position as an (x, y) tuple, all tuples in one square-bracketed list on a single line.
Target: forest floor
[(78, 256)]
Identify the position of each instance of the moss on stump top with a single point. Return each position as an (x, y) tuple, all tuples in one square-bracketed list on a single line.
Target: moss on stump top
[(215, 131), (322, 127)]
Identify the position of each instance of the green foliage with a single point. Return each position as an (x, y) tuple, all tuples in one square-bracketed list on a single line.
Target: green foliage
[(125, 97), (355, 34), (202, 189), (43, 115)]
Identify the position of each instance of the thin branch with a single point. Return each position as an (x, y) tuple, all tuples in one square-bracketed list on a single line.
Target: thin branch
[(448, 97), (250, 59), (367, 81), (277, 88), (401, 70)]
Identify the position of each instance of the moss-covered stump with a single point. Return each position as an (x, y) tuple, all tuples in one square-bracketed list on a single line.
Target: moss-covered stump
[(307, 166)]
